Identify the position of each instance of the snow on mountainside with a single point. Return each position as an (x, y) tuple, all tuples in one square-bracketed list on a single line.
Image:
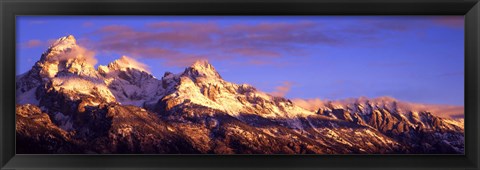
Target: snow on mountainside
[(445, 111), (65, 57), (201, 84), (130, 82), (64, 66), (122, 108), (413, 113)]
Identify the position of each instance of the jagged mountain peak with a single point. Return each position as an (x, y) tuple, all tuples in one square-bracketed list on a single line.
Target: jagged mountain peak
[(365, 106), (68, 38), (65, 57), (364, 99), (130, 82), (64, 43), (201, 64), (124, 63), (61, 45), (388, 99), (201, 68)]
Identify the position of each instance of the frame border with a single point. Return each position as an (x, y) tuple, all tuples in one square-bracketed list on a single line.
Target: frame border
[(11, 8)]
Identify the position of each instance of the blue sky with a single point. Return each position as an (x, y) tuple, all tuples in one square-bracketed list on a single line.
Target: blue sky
[(411, 58)]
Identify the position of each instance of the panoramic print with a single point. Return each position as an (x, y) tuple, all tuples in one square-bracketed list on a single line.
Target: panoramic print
[(240, 85)]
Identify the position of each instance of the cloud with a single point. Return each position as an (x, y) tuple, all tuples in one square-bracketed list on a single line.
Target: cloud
[(259, 62), (450, 21), (282, 90), (127, 62), (77, 52), (33, 43), (254, 52), (184, 61), (206, 27), (309, 104), (113, 29), (87, 24), (272, 34), (186, 41), (445, 111), (167, 34), (375, 29)]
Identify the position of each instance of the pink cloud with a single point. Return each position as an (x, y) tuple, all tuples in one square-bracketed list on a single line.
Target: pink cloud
[(276, 35), (445, 111), (258, 62), (176, 34), (33, 43), (372, 27), (268, 27), (282, 90), (78, 52), (309, 104), (206, 27), (185, 41), (87, 24), (114, 28), (237, 38), (450, 21), (184, 61), (254, 52), (36, 43), (128, 62)]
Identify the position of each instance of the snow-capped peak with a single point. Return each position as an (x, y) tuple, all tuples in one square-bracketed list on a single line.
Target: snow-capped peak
[(131, 83), (64, 43), (201, 68), (65, 57), (124, 63), (201, 64)]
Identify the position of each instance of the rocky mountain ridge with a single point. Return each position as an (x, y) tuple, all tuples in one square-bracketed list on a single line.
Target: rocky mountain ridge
[(65, 105)]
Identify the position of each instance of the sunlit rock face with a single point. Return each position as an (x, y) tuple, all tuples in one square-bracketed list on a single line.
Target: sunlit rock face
[(65, 105)]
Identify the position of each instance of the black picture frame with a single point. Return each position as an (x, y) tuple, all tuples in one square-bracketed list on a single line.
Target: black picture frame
[(11, 8)]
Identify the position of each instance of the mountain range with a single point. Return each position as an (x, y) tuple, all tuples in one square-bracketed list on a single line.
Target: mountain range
[(66, 106)]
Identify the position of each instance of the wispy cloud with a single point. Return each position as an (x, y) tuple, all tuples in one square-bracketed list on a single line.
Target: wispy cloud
[(309, 104), (87, 24), (186, 41), (128, 62), (450, 21), (78, 52), (253, 52), (282, 90), (114, 29), (33, 43), (446, 111)]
